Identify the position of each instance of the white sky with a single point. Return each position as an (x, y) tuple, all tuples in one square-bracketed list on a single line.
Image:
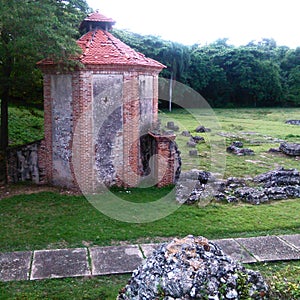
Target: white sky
[(204, 21)]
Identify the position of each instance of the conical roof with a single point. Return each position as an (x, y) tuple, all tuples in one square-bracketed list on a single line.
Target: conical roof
[(100, 47)]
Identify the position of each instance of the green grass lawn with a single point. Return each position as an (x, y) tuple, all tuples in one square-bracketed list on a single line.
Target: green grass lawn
[(51, 220), (283, 277), (91, 288), (258, 129)]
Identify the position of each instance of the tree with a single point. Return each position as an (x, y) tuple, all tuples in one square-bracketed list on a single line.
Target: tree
[(293, 83), (29, 31)]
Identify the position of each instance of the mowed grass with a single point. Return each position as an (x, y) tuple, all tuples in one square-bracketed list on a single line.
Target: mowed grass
[(50, 220), (282, 277), (92, 288)]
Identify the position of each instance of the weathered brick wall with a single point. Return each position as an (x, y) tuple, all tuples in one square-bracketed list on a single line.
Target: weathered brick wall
[(48, 127), (165, 161), (83, 143), (120, 103), (131, 116)]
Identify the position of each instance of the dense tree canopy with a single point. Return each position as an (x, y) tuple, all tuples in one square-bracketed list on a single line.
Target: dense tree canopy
[(29, 31), (257, 74)]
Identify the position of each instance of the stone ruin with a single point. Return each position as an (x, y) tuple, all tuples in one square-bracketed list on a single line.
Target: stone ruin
[(293, 122), (290, 149), (98, 118), (202, 129), (237, 149), (196, 186), (26, 162), (193, 268)]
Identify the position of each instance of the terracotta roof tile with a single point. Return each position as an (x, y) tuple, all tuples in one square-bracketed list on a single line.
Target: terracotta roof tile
[(97, 17), (100, 47)]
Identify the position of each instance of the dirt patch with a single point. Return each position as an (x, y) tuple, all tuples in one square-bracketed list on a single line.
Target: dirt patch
[(10, 190)]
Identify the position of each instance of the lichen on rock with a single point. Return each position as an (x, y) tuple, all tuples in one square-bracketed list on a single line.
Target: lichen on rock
[(192, 268)]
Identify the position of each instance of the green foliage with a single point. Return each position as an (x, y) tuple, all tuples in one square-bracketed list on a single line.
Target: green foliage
[(25, 125), (31, 31), (283, 279), (175, 56), (243, 288), (259, 74), (286, 284)]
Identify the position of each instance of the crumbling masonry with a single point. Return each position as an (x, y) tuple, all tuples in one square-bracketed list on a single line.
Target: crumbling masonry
[(98, 117)]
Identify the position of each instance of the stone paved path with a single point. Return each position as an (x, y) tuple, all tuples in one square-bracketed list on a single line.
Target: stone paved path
[(60, 263)]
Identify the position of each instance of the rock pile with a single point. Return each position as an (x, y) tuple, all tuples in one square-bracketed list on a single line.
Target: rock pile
[(291, 149), (191, 186), (198, 139), (194, 140), (192, 268), (186, 133), (237, 149), (172, 126), (274, 185), (191, 143), (202, 129), (293, 122)]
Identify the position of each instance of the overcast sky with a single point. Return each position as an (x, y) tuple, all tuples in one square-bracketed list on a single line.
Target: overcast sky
[(204, 21)]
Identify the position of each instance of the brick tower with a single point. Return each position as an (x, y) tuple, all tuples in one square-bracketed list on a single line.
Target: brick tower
[(97, 117)]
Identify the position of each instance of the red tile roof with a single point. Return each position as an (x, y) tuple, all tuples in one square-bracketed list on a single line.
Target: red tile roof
[(97, 17), (100, 47)]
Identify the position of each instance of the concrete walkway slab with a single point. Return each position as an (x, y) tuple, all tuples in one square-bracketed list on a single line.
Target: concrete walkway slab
[(60, 263), (125, 259), (235, 250), (269, 248), (148, 249), (115, 260), (292, 239), (15, 265)]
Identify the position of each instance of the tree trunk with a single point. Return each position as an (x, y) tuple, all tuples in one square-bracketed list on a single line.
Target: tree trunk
[(4, 125), (3, 139), (4, 121)]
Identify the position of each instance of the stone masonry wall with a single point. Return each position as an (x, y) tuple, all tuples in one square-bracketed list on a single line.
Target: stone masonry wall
[(146, 94), (108, 124), (123, 102), (27, 163), (62, 128)]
